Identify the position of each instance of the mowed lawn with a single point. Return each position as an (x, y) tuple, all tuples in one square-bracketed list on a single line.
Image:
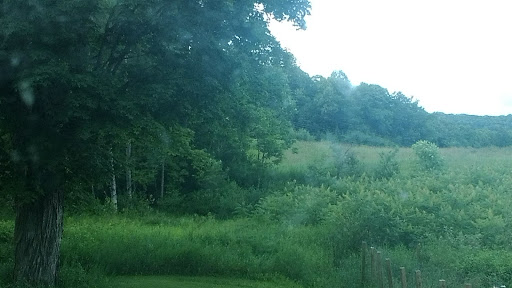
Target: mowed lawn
[(194, 282)]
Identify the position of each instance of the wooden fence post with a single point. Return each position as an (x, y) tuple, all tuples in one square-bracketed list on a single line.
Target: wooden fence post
[(403, 277), (363, 263), (418, 279), (442, 284), (389, 273)]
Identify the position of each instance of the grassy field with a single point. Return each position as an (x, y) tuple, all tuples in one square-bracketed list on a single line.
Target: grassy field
[(307, 232), (305, 154), (206, 252), (194, 246)]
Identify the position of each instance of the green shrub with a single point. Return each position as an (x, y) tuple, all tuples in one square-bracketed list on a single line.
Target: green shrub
[(388, 165), (428, 154), (372, 216), (302, 134), (346, 162), (297, 204), (318, 174)]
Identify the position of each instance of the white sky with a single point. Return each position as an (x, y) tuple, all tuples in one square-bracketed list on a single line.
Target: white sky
[(454, 56)]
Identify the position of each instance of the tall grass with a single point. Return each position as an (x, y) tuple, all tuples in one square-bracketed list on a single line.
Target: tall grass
[(160, 245), (196, 282), (304, 155)]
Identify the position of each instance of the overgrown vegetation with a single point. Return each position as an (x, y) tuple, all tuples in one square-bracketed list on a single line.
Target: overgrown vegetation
[(310, 231)]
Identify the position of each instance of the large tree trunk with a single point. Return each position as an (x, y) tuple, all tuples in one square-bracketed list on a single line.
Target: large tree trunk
[(38, 235)]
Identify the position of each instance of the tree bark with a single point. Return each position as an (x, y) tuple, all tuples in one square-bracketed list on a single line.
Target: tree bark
[(128, 170), (38, 236), (162, 181), (113, 186), (113, 192)]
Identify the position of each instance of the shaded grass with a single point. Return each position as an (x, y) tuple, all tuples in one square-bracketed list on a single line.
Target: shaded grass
[(194, 282)]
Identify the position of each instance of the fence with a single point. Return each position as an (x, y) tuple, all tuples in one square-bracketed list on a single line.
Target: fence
[(381, 274)]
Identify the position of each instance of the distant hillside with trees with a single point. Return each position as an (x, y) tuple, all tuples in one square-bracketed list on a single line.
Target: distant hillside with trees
[(369, 114)]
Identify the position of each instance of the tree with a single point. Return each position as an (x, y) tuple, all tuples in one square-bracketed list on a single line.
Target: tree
[(45, 71), (373, 108), (323, 105), (408, 120), (79, 75)]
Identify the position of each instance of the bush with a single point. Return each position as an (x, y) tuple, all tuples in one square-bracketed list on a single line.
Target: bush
[(428, 154), (346, 162), (388, 165), (372, 216), (297, 204), (302, 134)]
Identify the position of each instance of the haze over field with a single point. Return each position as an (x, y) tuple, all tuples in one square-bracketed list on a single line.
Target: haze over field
[(453, 56)]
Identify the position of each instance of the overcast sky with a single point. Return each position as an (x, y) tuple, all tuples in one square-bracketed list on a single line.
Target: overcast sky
[(453, 56)]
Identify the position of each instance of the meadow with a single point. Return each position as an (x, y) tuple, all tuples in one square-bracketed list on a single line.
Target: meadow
[(326, 199)]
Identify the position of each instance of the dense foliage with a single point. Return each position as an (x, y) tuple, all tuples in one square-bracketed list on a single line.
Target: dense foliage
[(192, 87), (310, 231), (187, 107), (368, 114)]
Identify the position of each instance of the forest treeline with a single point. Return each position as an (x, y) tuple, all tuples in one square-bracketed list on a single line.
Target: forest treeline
[(369, 114), (184, 104)]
